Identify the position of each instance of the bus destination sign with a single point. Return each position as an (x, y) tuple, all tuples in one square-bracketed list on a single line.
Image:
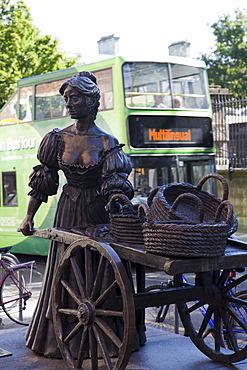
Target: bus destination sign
[(169, 132), (172, 135)]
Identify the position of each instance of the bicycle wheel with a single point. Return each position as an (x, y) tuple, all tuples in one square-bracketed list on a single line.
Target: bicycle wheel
[(10, 260), (20, 292), (240, 335)]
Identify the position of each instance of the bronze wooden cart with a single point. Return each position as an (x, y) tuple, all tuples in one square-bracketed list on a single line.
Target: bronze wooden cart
[(98, 317)]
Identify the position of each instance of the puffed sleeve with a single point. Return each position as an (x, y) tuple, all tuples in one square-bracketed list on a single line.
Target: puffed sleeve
[(116, 169), (44, 178)]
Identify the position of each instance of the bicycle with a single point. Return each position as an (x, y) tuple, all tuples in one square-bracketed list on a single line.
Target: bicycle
[(19, 287), (238, 307), (10, 260)]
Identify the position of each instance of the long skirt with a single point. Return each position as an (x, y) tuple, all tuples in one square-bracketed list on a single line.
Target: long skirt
[(76, 208)]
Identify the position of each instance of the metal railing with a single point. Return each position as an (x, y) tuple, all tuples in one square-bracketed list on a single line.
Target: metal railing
[(230, 131)]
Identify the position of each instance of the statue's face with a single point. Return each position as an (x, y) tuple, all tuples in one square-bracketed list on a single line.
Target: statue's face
[(75, 103)]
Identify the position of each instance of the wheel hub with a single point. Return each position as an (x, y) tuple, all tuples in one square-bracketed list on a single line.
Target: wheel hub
[(85, 313), (214, 298)]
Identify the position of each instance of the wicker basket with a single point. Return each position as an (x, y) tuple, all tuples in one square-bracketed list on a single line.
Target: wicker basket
[(162, 198), (177, 238), (124, 219)]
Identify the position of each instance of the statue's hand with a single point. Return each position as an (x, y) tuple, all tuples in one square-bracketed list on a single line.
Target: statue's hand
[(26, 226)]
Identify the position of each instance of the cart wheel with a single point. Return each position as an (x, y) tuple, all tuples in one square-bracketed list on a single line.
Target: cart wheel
[(239, 333), (93, 307), (211, 320)]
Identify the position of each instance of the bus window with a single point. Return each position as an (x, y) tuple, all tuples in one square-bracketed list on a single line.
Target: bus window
[(146, 85), (9, 189), (198, 171), (165, 86), (188, 86), (150, 172), (48, 102), (178, 172), (104, 80), (9, 111), (25, 112)]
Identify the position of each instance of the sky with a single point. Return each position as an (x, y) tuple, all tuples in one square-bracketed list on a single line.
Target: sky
[(145, 28)]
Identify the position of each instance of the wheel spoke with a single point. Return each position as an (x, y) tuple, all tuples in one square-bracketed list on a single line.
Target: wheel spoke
[(73, 332), (223, 277), (194, 307), (234, 283), (68, 311), (99, 279), (228, 328), (238, 301), (83, 347), (102, 298), (205, 321), (79, 278), (105, 312), (101, 340), (235, 315), (93, 349), (88, 270), (71, 291), (108, 331), (217, 330)]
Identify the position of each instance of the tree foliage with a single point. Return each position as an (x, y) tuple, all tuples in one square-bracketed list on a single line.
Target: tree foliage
[(227, 64), (24, 52)]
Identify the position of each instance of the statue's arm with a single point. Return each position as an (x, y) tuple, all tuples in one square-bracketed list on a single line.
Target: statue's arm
[(27, 224), (115, 173)]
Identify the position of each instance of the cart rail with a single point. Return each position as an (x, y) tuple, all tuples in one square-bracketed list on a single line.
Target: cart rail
[(235, 254)]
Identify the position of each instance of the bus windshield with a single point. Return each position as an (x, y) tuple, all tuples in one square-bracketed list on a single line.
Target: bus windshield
[(152, 171), (164, 86)]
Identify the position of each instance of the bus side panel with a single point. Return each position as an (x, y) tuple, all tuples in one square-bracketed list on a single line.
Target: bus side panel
[(18, 154)]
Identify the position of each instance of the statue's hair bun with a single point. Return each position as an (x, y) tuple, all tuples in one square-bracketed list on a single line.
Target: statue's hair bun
[(89, 75)]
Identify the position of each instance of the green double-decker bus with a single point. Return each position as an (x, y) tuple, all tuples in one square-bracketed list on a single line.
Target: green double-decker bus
[(160, 110)]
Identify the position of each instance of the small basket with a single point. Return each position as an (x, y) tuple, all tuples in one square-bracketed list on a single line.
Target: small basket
[(125, 222), (177, 238), (161, 199)]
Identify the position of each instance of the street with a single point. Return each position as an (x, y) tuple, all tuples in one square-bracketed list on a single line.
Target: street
[(158, 349)]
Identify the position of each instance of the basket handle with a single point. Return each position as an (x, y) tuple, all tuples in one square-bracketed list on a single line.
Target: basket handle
[(118, 200), (152, 195), (218, 177), (229, 206), (144, 213), (194, 199)]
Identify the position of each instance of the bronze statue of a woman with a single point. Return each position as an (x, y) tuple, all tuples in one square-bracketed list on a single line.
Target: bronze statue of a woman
[(94, 166)]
